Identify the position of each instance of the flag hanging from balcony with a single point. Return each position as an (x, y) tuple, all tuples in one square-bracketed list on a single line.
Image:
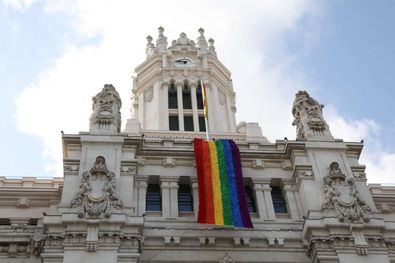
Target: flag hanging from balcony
[(222, 198)]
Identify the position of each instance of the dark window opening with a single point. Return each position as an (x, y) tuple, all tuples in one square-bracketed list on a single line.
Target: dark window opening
[(185, 201), (250, 200), (186, 98), (173, 123), (154, 199), (173, 103), (202, 124), (278, 200), (5, 221), (199, 97), (188, 123)]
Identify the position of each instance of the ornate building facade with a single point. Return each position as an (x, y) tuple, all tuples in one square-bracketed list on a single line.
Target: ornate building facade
[(132, 196)]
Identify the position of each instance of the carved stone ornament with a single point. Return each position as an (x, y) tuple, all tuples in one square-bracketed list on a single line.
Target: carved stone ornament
[(342, 196), (149, 94), (308, 117), (226, 259), (106, 115), (96, 195), (221, 97)]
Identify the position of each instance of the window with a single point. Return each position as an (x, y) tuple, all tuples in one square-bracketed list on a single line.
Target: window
[(185, 201), (278, 200), (250, 199), (186, 97), (173, 103), (173, 123), (199, 97), (202, 124), (154, 200), (188, 123)]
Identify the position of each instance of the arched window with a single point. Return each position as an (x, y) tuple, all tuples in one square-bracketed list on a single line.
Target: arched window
[(185, 201), (186, 96), (278, 200), (172, 94), (250, 199), (200, 106), (199, 97), (154, 199)]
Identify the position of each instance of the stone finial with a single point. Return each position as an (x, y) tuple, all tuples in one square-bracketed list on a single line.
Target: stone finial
[(161, 41), (150, 46), (106, 115), (183, 39), (211, 48), (309, 121), (201, 42)]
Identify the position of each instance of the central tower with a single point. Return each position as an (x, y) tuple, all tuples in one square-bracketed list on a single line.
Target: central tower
[(167, 95)]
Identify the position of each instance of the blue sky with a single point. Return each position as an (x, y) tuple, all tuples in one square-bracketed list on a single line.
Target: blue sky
[(342, 52)]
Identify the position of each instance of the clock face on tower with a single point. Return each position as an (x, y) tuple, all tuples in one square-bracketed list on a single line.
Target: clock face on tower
[(184, 62)]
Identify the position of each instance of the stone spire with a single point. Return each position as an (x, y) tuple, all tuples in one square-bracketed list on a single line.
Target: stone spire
[(106, 115), (309, 121), (161, 41), (150, 47), (201, 42)]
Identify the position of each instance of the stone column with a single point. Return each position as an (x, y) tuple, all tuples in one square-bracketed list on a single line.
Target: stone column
[(267, 191), (289, 194), (194, 108), (169, 190), (180, 107), (141, 110), (195, 195), (230, 115), (264, 198), (141, 184), (165, 106)]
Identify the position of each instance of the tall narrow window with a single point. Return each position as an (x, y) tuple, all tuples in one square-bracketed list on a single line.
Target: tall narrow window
[(188, 123), (186, 97), (173, 123), (173, 103), (202, 124), (278, 200), (154, 200), (199, 97), (185, 201), (250, 199)]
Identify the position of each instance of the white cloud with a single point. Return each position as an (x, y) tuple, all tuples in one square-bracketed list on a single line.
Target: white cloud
[(348, 129), (250, 41), (19, 5), (380, 167), (380, 164)]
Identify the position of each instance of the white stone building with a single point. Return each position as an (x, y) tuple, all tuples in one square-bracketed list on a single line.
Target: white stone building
[(131, 195)]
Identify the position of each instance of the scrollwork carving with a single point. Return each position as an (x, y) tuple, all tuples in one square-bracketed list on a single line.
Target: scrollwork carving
[(97, 191), (149, 94), (342, 196), (221, 97)]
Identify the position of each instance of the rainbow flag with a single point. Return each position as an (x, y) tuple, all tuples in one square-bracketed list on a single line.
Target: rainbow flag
[(222, 198)]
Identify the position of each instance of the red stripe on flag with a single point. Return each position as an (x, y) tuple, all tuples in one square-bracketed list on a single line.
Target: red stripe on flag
[(208, 184)]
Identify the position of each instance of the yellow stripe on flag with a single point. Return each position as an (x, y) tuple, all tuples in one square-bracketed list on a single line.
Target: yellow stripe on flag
[(217, 196)]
